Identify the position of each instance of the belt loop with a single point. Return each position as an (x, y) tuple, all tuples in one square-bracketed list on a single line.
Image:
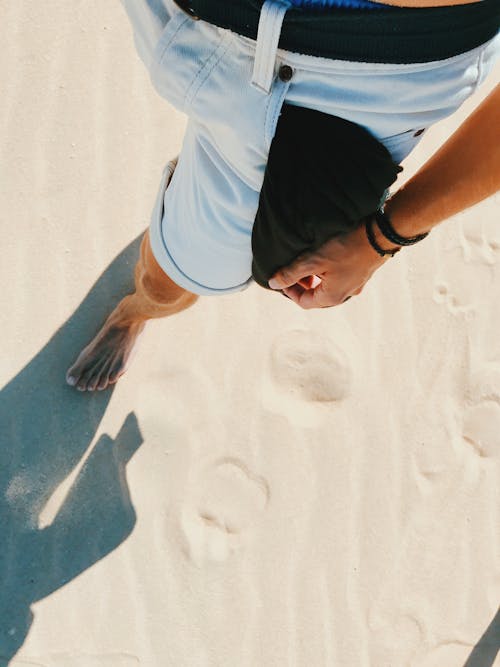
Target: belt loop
[(268, 35)]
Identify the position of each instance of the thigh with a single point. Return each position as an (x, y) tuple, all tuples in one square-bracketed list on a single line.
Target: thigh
[(201, 230), (202, 223), (152, 279)]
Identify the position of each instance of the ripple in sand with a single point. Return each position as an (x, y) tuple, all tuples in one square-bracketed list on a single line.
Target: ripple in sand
[(311, 365), (480, 242), (485, 384), (452, 653), (481, 428), (81, 660), (389, 642), (230, 501)]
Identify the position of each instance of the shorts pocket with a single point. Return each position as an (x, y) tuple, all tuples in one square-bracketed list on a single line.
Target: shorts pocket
[(401, 145), (235, 117)]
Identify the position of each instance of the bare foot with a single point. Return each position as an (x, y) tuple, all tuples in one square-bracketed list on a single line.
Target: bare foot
[(105, 358)]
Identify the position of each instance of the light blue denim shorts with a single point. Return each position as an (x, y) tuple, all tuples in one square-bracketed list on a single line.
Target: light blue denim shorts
[(202, 222)]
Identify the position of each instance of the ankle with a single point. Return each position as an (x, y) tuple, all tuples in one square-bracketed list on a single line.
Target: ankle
[(127, 315)]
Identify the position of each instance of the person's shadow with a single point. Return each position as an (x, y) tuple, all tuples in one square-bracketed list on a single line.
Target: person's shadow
[(486, 650), (45, 429)]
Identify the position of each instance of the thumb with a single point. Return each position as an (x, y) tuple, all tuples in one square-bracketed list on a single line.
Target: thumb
[(300, 268)]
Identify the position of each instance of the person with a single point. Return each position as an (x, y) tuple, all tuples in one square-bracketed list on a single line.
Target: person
[(356, 63)]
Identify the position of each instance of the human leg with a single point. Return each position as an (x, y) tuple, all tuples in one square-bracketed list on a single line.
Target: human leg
[(105, 358)]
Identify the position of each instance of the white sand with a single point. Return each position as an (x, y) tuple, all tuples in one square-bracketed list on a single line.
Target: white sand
[(305, 489)]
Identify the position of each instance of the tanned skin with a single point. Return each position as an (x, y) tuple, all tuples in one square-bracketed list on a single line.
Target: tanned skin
[(463, 172), (104, 360)]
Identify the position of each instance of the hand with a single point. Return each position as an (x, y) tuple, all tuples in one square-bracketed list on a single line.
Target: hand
[(339, 269)]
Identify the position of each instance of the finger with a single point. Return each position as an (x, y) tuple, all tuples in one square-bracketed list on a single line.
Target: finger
[(321, 298), (310, 282), (294, 293), (315, 298), (304, 298), (301, 268)]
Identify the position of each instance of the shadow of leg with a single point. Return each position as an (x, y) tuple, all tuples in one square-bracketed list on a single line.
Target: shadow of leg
[(95, 517), (487, 648), (46, 427)]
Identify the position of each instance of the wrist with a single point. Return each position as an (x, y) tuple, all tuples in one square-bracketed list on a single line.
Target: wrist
[(382, 240), (407, 214), (386, 227), (377, 242)]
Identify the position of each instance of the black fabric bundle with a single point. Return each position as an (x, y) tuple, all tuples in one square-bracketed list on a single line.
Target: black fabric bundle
[(323, 177)]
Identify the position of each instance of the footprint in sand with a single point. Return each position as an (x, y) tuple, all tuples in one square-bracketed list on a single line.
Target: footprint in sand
[(448, 653), (480, 242), (467, 263), (481, 428), (389, 641), (232, 496), (230, 500), (455, 304), (311, 366)]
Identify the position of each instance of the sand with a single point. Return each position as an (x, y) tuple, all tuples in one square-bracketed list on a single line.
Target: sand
[(266, 486)]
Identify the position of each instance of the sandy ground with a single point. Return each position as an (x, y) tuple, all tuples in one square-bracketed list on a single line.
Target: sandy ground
[(267, 486)]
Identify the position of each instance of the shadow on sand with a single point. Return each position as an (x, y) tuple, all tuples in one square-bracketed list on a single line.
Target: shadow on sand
[(487, 648), (45, 428)]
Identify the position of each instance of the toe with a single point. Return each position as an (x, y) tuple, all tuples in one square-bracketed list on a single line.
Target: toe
[(114, 376), (85, 380), (103, 382), (82, 384), (77, 368), (117, 369), (73, 374), (101, 378), (93, 382), (95, 374)]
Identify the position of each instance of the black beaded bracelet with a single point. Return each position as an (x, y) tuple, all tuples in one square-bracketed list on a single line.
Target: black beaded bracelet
[(387, 230), (371, 238)]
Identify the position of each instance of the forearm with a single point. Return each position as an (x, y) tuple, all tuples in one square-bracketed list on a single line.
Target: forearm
[(463, 172)]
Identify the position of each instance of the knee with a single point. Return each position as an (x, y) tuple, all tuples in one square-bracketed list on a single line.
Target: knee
[(162, 290), (155, 285)]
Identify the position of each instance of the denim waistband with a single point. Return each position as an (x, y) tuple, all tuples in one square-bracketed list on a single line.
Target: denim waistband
[(401, 35)]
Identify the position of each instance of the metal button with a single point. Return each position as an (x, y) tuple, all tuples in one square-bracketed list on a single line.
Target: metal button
[(185, 5), (285, 73)]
